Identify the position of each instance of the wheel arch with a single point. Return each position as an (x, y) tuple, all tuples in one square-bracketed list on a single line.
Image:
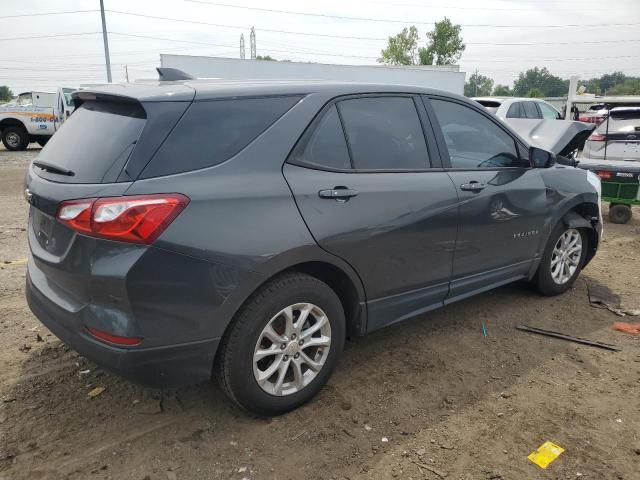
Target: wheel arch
[(12, 122)]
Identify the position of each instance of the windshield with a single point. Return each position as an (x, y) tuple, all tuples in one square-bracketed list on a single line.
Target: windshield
[(67, 96)]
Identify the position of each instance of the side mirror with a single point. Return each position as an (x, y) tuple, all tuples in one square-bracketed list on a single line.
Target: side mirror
[(540, 158)]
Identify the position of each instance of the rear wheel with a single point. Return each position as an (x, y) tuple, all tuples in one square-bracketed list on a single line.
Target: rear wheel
[(282, 346), (562, 261), (15, 138), (619, 213)]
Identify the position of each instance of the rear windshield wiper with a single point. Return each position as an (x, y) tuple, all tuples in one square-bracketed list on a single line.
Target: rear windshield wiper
[(53, 168)]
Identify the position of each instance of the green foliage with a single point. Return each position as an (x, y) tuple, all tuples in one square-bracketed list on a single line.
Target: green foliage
[(265, 57), (444, 46), (535, 93), (631, 86), (5, 93), (402, 49), (540, 79), (478, 85), (502, 91)]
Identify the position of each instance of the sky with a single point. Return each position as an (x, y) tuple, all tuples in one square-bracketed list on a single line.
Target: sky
[(40, 50)]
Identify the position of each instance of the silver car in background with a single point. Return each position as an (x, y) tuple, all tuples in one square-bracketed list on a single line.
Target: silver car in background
[(617, 137), (514, 107)]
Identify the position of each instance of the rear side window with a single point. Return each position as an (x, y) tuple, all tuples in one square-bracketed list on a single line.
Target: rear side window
[(548, 112), (326, 147), (211, 132), (384, 133), (94, 143), (515, 111), (474, 141), (530, 110)]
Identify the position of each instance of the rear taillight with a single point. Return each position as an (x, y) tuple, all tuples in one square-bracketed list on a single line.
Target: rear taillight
[(597, 137), (604, 174), (115, 339), (135, 218)]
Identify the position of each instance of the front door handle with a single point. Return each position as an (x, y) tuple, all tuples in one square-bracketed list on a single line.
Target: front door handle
[(338, 193), (472, 186)]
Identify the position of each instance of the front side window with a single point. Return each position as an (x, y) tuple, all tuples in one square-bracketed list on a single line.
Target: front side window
[(326, 146), (384, 133), (548, 111), (530, 110), (474, 141)]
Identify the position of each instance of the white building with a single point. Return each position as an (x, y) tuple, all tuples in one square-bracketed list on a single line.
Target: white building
[(447, 77)]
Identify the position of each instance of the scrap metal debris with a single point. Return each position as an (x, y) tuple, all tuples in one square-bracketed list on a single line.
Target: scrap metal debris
[(600, 297), (562, 336)]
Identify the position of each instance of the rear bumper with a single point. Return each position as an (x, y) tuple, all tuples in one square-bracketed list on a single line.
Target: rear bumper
[(162, 366)]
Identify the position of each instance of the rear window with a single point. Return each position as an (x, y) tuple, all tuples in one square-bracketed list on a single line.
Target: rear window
[(631, 114), (94, 143), (211, 132)]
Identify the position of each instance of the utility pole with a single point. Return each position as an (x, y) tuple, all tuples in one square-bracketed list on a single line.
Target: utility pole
[(107, 60), (252, 43), (126, 72), (242, 46)]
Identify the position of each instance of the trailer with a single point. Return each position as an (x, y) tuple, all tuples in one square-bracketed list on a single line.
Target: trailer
[(620, 186), (34, 117), (441, 77)]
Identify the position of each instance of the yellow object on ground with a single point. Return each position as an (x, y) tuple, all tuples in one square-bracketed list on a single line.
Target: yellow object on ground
[(545, 454), (96, 391)]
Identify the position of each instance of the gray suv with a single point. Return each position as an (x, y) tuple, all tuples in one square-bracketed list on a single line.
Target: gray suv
[(244, 230)]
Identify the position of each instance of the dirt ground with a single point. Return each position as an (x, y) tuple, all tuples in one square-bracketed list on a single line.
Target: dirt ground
[(429, 398)]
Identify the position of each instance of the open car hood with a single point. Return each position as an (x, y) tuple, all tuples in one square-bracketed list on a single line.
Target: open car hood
[(557, 136)]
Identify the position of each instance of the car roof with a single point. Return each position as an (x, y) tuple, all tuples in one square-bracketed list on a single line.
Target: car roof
[(208, 89)]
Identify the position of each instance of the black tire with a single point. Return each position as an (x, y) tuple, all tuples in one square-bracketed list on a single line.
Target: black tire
[(619, 213), (235, 360), (15, 138), (543, 280)]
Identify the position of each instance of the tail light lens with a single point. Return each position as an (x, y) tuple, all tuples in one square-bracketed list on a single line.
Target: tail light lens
[(135, 218), (604, 174), (597, 137), (115, 339)]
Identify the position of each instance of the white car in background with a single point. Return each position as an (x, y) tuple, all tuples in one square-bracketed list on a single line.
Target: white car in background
[(514, 107)]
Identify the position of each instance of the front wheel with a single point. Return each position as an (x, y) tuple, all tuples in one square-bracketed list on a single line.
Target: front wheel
[(282, 346), (562, 260)]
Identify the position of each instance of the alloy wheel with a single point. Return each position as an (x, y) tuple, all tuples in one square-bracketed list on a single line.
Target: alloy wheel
[(566, 255), (292, 349)]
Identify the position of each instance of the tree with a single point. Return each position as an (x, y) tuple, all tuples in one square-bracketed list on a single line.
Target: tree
[(631, 86), (444, 46), (534, 93), (402, 49), (478, 85), (502, 91), (5, 93), (608, 81), (542, 80), (266, 57)]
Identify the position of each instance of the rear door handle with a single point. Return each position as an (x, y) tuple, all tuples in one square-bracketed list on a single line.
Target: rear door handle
[(338, 193), (472, 186)]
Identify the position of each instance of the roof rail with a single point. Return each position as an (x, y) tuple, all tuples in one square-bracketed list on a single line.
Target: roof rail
[(166, 74)]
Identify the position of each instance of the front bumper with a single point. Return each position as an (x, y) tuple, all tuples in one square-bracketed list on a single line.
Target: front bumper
[(162, 366)]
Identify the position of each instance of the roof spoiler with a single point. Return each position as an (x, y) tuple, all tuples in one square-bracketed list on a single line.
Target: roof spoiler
[(166, 74)]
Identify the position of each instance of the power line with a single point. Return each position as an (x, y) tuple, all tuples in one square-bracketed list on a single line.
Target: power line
[(47, 14), (39, 37), (390, 20)]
